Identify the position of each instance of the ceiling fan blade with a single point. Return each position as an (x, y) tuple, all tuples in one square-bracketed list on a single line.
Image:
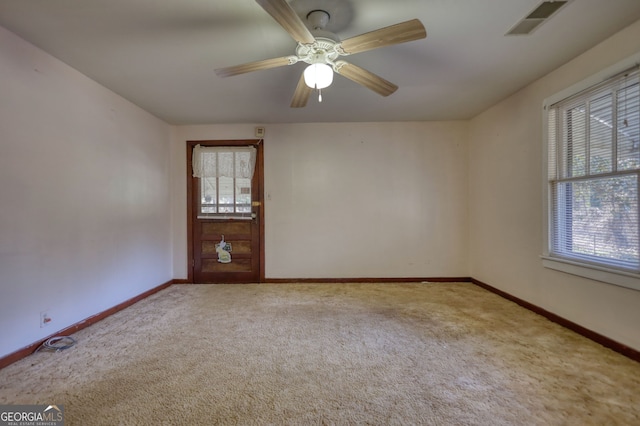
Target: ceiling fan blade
[(256, 66), (301, 95), (365, 78), (288, 19), (387, 36)]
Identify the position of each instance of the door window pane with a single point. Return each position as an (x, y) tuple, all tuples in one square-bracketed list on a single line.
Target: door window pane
[(225, 189)]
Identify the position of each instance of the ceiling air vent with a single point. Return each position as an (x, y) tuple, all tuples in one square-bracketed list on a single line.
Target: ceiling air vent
[(537, 17)]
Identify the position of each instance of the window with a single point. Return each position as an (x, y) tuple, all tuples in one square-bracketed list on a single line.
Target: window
[(225, 181), (593, 175)]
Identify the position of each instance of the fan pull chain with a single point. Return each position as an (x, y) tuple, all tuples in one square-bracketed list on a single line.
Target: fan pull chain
[(319, 92)]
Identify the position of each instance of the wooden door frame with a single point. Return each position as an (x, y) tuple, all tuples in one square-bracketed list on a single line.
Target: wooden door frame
[(258, 143)]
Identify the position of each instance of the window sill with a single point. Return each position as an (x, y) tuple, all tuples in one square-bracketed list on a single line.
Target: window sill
[(597, 273), (222, 217)]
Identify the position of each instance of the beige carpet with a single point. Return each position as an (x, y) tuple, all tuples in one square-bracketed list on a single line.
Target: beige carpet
[(314, 354)]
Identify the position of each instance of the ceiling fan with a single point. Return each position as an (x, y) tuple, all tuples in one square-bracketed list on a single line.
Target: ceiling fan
[(322, 50)]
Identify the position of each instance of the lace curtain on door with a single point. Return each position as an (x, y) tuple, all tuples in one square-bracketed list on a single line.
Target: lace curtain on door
[(224, 161)]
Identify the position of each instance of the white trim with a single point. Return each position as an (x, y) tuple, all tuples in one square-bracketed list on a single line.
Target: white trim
[(597, 273), (546, 202), (599, 77)]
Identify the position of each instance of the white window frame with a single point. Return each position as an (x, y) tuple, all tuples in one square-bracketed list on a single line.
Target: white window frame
[(575, 267)]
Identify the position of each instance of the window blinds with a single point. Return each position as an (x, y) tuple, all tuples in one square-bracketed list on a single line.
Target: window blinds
[(593, 173)]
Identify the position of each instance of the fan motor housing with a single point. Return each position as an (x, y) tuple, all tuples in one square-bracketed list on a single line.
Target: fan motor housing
[(322, 51)]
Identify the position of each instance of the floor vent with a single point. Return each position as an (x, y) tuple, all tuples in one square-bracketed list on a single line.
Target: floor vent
[(533, 20)]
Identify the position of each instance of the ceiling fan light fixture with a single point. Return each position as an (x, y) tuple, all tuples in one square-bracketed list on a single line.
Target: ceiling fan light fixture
[(318, 76), (313, 24)]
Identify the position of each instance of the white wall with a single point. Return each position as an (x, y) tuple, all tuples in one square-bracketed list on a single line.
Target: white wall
[(348, 200), (506, 213), (84, 204)]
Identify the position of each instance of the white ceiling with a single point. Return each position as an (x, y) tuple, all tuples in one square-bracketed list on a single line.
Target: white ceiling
[(161, 54)]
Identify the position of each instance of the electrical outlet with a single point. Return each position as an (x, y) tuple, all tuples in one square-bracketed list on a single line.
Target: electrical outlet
[(45, 319)]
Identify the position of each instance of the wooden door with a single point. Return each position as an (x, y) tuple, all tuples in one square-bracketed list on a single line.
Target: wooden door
[(236, 220)]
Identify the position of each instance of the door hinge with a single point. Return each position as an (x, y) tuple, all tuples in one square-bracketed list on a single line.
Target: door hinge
[(193, 263)]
